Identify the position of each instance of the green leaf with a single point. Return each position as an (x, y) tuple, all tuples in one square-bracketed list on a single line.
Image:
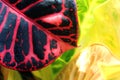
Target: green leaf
[(44, 74), (13, 75)]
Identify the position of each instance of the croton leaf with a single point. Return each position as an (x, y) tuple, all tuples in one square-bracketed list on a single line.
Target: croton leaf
[(33, 33)]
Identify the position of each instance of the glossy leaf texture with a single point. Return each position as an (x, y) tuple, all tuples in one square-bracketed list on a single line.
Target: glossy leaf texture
[(34, 33)]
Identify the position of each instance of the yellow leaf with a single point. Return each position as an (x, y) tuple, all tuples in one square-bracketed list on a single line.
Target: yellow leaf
[(110, 72)]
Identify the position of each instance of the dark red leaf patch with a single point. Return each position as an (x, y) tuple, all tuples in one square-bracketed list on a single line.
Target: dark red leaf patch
[(33, 33)]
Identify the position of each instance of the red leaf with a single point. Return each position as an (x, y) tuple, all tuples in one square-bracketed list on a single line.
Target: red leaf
[(34, 33)]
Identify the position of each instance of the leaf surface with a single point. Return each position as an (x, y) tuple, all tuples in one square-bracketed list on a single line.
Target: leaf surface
[(34, 33)]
